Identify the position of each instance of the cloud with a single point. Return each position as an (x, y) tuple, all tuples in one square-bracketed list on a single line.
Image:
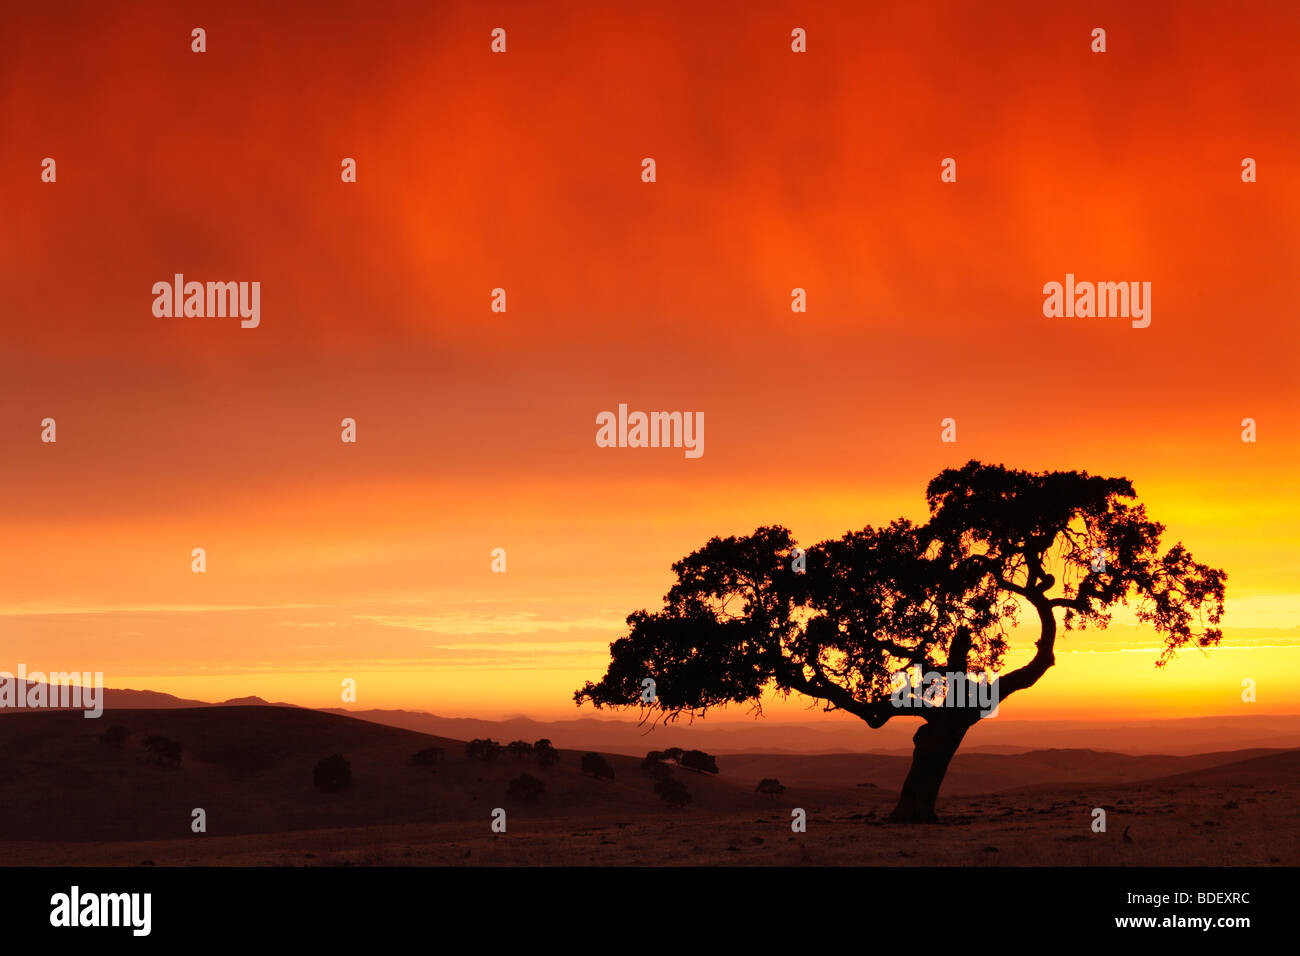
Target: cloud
[(515, 623)]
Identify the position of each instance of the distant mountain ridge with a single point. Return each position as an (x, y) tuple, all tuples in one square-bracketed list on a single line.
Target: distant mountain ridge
[(1176, 736), (130, 699), (1181, 736)]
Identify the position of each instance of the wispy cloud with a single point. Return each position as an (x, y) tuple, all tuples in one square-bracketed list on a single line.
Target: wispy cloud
[(63, 610), (516, 623)]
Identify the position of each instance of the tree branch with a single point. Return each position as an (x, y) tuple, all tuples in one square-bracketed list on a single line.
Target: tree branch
[(875, 713), (1027, 676)]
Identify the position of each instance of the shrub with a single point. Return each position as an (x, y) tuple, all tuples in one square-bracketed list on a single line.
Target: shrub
[(771, 787), (526, 787), (673, 792), (429, 757), (486, 749), (333, 774), (165, 751), (597, 766), (115, 735)]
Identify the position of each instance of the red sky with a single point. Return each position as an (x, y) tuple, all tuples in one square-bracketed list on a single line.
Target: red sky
[(479, 170)]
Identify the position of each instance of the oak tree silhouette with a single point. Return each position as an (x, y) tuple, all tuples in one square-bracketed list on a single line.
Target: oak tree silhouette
[(545, 753), (698, 761), (999, 544)]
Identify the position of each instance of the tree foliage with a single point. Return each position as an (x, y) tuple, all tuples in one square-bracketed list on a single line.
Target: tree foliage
[(999, 544), (698, 761)]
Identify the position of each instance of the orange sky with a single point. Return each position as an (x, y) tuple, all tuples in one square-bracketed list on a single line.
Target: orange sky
[(476, 429)]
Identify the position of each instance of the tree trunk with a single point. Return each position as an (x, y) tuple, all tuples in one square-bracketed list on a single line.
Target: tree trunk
[(933, 746)]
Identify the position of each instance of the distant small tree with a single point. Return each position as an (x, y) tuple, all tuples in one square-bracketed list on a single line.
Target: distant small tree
[(653, 759), (771, 787), (429, 757), (519, 748), (115, 735), (333, 774), (546, 754), (698, 761), (526, 787), (673, 792), (597, 766), (164, 750), (486, 749)]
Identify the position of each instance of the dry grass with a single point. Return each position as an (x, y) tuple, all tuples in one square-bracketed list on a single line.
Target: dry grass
[(72, 800)]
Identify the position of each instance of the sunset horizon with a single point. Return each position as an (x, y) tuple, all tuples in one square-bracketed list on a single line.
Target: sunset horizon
[(448, 444)]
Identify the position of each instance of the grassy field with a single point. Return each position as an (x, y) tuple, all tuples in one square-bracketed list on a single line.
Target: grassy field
[(72, 799)]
